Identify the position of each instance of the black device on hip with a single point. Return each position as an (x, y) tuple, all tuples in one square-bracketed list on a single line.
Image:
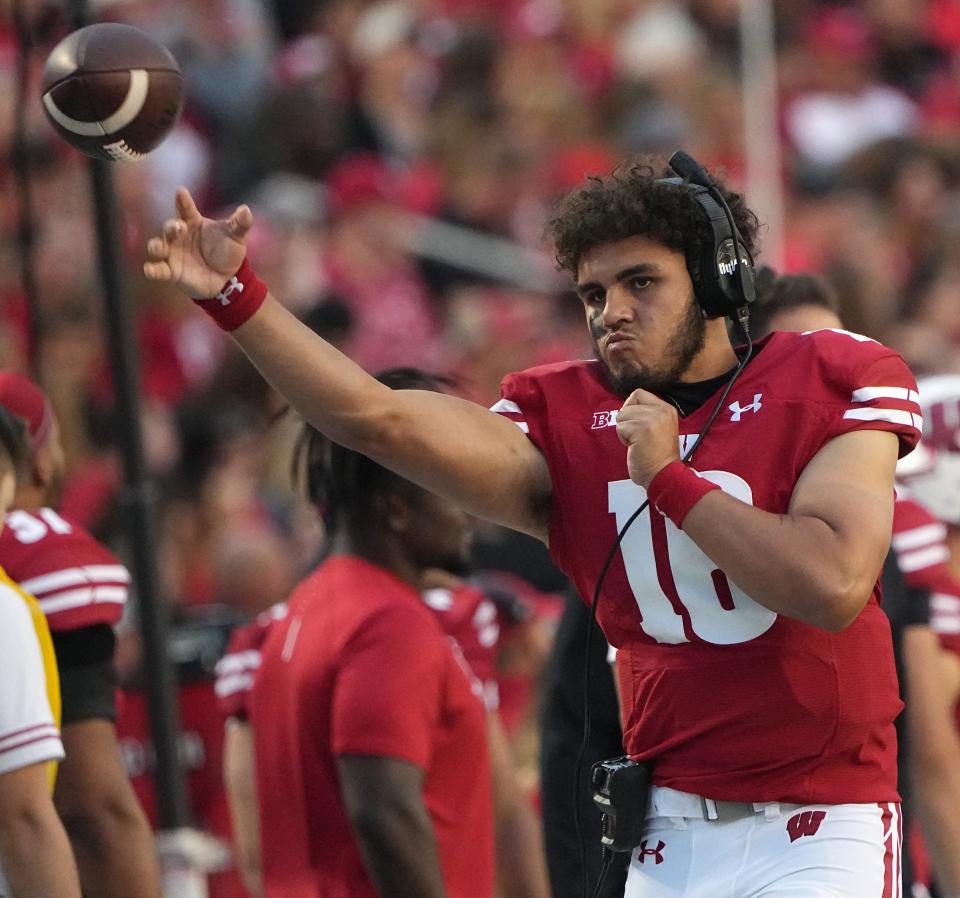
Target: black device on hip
[(621, 788)]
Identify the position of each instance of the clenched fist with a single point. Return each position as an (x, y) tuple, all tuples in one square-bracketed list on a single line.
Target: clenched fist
[(198, 254), (647, 426)]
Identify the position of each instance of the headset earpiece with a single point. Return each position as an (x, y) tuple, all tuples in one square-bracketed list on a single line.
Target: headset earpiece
[(722, 271)]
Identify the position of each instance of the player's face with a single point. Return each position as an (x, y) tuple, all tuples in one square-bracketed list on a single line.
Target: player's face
[(440, 535), (647, 328)]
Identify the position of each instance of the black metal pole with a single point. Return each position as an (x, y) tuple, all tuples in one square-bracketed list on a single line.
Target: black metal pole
[(21, 168), (137, 499)]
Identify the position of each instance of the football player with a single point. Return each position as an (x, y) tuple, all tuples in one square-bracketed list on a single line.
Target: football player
[(35, 858), (81, 588), (927, 541), (744, 599)]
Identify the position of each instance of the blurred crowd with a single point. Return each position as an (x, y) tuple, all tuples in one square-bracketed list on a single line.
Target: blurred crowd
[(400, 157)]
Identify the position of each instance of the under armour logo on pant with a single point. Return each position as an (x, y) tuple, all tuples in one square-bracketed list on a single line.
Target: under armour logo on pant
[(806, 823), (651, 852)]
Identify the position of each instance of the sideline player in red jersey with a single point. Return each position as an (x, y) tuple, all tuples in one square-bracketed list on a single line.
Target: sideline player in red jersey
[(927, 541), (469, 618), (81, 588), (744, 601), (370, 746)]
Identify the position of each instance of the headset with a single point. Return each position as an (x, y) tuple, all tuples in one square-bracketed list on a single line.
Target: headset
[(722, 270)]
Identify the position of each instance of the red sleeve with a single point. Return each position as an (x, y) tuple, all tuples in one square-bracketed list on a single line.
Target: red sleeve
[(77, 581), (522, 402), (389, 687), (875, 388), (237, 668)]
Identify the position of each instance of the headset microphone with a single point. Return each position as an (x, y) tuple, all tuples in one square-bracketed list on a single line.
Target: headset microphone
[(690, 170)]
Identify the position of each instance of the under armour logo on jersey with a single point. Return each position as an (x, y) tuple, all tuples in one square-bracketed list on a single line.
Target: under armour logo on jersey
[(806, 823), (234, 286), (656, 853), (736, 410), (604, 419)]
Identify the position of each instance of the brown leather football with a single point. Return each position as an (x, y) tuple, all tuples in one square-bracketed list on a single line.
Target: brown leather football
[(112, 91)]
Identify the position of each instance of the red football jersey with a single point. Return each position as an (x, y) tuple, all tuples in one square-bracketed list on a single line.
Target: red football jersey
[(920, 544), (470, 618), (360, 666), (729, 699), (78, 581)]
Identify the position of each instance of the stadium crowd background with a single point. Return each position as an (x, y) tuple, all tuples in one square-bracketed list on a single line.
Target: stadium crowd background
[(336, 121)]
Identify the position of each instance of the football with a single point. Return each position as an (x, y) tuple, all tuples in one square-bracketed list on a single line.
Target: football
[(112, 91)]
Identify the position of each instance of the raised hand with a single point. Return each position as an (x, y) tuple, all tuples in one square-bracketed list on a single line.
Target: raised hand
[(198, 254), (647, 426)]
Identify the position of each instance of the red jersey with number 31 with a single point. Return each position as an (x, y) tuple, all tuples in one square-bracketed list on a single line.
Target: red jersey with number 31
[(77, 581), (729, 699)]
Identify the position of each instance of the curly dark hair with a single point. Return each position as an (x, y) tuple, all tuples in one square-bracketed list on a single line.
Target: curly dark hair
[(628, 203)]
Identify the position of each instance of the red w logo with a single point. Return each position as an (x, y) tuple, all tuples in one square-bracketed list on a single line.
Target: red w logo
[(651, 852), (806, 823)]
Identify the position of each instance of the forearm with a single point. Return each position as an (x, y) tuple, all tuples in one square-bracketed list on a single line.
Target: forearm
[(114, 847), (330, 390), (795, 565), (35, 854), (399, 850), (521, 867), (239, 776), (936, 794)]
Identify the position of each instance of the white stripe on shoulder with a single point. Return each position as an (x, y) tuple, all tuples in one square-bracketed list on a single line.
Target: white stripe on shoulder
[(77, 598), (506, 405), (893, 415), (918, 537), (944, 623), (76, 576), (238, 662), (232, 684), (918, 559), (868, 394)]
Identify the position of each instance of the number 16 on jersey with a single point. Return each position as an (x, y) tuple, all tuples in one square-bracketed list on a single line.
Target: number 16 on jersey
[(681, 594)]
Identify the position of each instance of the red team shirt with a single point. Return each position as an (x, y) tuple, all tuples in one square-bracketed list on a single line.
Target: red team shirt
[(729, 699), (919, 541), (360, 666), (77, 581)]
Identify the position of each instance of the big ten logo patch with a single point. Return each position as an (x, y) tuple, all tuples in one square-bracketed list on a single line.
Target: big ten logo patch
[(806, 823), (656, 853), (604, 419)]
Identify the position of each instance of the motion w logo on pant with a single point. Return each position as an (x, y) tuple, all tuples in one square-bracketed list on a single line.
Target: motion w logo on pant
[(651, 852), (806, 823)]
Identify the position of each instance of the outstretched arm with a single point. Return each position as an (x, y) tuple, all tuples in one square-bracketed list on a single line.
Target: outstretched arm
[(450, 446)]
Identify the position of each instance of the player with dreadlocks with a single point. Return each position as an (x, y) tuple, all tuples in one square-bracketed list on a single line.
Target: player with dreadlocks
[(372, 768)]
